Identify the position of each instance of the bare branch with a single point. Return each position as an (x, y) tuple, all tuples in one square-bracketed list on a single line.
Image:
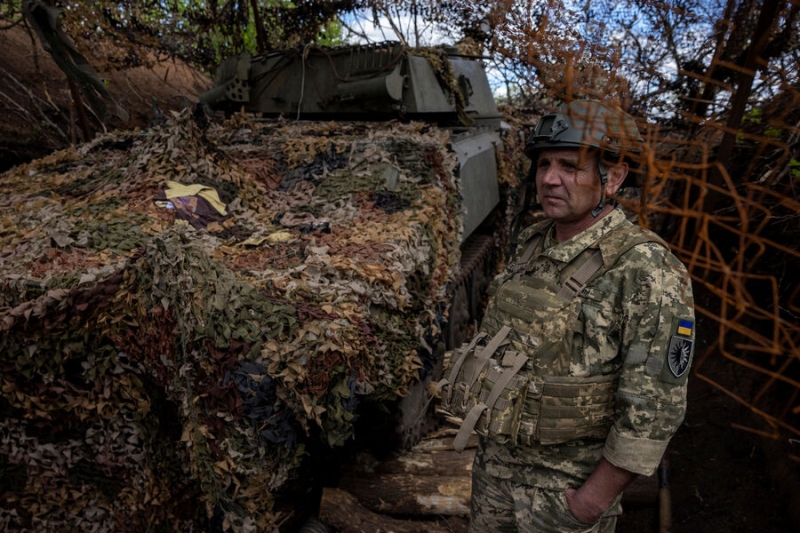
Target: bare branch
[(395, 28), (361, 34)]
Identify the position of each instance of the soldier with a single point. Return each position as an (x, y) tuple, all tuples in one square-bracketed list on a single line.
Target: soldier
[(591, 332)]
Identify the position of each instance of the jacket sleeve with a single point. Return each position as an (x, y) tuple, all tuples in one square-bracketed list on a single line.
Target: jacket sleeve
[(657, 346)]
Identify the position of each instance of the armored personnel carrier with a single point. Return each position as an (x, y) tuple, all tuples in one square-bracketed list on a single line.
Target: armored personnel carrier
[(383, 82), (193, 316)]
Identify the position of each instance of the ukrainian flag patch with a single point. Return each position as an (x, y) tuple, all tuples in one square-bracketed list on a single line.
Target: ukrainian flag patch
[(685, 327)]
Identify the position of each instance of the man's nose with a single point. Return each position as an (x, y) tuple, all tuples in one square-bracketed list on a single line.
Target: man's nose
[(550, 176)]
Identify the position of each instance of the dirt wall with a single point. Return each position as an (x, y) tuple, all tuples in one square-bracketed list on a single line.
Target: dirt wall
[(35, 98)]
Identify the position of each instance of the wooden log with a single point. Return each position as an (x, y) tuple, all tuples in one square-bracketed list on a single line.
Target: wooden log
[(432, 456), (440, 433), (344, 512), (431, 479), (415, 463), (404, 494), (444, 463)]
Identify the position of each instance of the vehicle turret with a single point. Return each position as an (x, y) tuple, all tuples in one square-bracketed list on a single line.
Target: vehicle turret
[(378, 82), (373, 82)]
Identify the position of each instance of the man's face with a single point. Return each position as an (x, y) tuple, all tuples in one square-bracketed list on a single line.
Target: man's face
[(568, 183)]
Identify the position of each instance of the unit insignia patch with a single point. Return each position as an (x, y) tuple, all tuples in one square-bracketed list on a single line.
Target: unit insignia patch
[(680, 353)]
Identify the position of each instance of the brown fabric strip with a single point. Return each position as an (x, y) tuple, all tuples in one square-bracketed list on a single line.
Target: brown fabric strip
[(460, 442), (505, 379), (577, 281), (487, 352), (475, 413), (457, 366), (437, 388)]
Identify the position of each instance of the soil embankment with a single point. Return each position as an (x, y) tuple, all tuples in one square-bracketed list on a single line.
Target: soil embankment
[(35, 101)]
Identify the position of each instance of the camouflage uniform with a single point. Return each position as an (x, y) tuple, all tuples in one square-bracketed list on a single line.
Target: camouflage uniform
[(634, 318)]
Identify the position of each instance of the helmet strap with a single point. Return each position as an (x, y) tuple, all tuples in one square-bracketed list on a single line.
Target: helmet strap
[(603, 181)]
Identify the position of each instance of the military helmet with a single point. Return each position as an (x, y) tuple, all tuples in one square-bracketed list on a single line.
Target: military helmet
[(593, 124), (588, 123)]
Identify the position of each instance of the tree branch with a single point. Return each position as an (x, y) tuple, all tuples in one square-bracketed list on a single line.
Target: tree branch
[(361, 34), (395, 28)]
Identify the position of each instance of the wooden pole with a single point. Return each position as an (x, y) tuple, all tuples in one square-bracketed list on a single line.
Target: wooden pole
[(78, 103), (664, 499), (73, 134)]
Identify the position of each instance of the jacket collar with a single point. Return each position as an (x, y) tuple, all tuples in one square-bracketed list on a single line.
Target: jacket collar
[(567, 251)]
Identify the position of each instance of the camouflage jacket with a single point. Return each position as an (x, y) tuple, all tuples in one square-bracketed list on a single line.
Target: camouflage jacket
[(637, 322)]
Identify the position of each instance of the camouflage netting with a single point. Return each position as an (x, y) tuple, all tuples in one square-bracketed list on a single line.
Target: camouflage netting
[(164, 361)]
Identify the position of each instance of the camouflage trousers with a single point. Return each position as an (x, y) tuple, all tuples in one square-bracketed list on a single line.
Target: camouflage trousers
[(500, 505)]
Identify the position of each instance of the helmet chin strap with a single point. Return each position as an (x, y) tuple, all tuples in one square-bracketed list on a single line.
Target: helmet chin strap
[(603, 180)]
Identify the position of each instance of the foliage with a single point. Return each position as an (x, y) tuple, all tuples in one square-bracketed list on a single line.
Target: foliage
[(202, 33)]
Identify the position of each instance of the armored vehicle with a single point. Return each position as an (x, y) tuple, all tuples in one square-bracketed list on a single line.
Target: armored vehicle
[(192, 317), (381, 82)]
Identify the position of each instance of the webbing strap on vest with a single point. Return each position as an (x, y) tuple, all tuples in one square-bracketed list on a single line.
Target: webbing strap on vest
[(577, 281), (453, 374), (460, 442), (487, 352), (457, 366), (526, 256), (462, 437)]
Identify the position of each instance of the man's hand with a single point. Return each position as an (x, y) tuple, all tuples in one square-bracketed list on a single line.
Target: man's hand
[(598, 492), (581, 509)]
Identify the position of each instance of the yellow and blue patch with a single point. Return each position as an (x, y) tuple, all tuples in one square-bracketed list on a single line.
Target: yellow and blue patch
[(681, 349)]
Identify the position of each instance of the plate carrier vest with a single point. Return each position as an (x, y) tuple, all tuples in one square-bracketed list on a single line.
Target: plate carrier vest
[(510, 382)]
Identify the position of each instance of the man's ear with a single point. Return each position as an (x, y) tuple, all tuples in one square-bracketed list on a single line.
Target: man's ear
[(616, 175)]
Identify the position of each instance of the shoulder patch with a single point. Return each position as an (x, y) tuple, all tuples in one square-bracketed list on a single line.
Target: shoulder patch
[(679, 355)]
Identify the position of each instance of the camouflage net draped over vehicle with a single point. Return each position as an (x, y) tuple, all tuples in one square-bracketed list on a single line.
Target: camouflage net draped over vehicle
[(165, 362)]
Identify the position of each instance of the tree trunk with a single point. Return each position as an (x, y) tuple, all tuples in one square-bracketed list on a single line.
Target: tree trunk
[(766, 19), (259, 27)]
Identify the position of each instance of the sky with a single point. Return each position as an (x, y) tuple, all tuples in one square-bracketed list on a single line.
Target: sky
[(430, 35)]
